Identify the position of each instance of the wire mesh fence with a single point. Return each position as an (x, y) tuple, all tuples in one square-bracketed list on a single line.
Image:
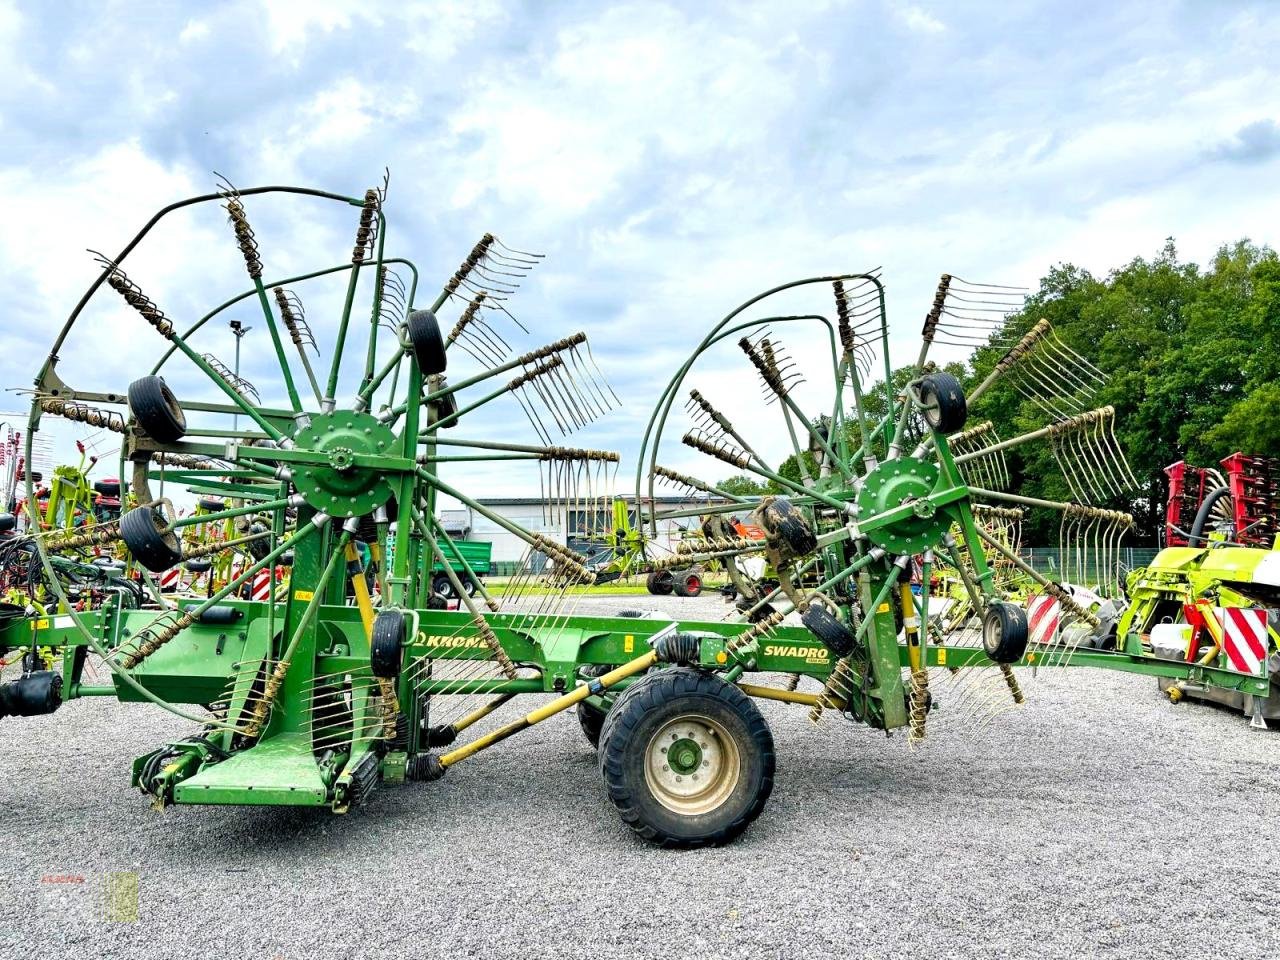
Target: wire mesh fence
[(1049, 561)]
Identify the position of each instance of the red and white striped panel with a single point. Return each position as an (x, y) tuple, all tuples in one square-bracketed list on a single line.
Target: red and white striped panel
[(1044, 616), (171, 578), (261, 589), (1244, 639)]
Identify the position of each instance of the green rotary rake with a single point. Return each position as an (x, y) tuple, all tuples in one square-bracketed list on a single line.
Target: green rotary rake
[(355, 675)]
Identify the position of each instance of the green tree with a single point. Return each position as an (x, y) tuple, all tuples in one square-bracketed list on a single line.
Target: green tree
[(743, 486)]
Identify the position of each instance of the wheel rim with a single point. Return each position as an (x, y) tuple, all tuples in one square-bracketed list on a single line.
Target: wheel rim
[(692, 765), (992, 633), (930, 407)]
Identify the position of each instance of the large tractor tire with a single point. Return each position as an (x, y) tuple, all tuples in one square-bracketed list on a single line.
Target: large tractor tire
[(686, 758)]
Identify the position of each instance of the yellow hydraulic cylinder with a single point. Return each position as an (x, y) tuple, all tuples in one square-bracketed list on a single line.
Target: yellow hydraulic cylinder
[(578, 694)]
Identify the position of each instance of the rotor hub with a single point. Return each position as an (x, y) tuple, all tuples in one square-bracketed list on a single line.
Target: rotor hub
[(348, 485), (905, 482)]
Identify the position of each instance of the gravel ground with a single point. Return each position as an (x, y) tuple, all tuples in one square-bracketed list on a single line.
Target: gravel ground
[(1098, 820)]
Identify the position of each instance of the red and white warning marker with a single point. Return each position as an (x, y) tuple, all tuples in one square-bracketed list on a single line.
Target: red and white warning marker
[(261, 589), (1044, 616), (1244, 639)]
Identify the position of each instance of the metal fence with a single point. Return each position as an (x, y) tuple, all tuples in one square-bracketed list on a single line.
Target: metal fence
[(1047, 561)]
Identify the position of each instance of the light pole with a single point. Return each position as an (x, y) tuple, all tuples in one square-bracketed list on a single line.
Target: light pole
[(238, 330)]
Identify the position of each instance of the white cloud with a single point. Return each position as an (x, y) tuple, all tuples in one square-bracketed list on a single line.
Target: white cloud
[(920, 20), (671, 159), (193, 31)]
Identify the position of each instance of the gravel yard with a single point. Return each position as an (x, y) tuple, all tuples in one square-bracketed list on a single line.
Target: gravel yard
[(1098, 820)]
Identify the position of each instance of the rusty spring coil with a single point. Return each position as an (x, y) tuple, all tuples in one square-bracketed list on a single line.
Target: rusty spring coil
[(756, 632), (245, 239), (575, 561), (559, 346), (722, 452), (843, 321), (578, 453), (765, 364), (153, 641), (96, 536), (83, 413), (470, 263), (542, 368), (133, 295), (297, 326), (935, 312), (468, 315), (495, 646)]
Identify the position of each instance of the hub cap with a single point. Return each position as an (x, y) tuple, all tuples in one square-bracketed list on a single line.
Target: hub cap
[(692, 765), (341, 488)]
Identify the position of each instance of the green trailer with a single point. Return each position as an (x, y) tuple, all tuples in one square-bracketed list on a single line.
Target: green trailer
[(470, 560)]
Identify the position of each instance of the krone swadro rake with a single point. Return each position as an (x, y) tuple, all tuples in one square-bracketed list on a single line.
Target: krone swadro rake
[(353, 674)]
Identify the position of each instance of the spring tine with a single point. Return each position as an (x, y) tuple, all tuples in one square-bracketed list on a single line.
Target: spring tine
[(1120, 456), (535, 380), (541, 432), (592, 389), (603, 380), (564, 393), (1059, 377)]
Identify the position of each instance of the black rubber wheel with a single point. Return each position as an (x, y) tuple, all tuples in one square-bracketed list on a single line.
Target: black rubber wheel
[(591, 717), (156, 410), (1004, 632), (8, 522), (448, 407), (107, 487), (141, 530), (386, 648), (469, 587), (436, 602), (945, 408), (719, 735), (199, 566), (441, 584), (660, 583), (688, 584), (788, 530), (835, 636), (259, 548), (630, 614), (212, 504), (428, 345), (677, 582)]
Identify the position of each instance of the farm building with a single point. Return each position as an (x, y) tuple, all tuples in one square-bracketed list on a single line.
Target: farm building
[(574, 525)]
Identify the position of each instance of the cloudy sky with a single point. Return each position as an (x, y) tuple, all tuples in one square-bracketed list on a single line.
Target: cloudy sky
[(671, 160)]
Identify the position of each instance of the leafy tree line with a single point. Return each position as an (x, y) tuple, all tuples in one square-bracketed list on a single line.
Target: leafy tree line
[(1192, 357)]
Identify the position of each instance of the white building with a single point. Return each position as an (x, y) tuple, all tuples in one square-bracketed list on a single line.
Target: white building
[(572, 526)]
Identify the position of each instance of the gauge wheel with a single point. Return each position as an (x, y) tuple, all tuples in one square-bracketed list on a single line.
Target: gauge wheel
[(1004, 632), (156, 410), (942, 403)]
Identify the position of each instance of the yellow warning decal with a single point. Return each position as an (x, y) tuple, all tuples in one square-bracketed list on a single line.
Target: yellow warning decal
[(942, 656), (884, 608), (40, 624), (629, 643), (303, 594)]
